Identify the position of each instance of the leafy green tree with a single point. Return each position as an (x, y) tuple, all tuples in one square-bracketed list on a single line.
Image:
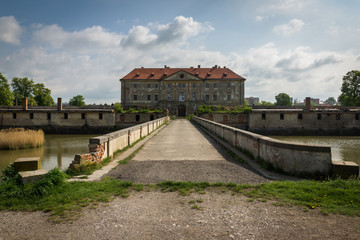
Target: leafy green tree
[(350, 89), (77, 101), (283, 99), (330, 101), (6, 96), (42, 95), (22, 88)]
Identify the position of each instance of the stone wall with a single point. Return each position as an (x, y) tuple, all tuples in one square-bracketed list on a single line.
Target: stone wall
[(105, 146), (305, 122), (72, 119), (294, 159)]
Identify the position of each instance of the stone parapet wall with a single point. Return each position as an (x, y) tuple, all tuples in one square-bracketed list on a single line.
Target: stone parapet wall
[(291, 158), (105, 146)]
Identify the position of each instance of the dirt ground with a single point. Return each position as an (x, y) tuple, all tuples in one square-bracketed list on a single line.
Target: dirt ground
[(157, 215)]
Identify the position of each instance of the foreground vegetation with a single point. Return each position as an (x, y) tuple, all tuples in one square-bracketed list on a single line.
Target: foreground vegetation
[(19, 138), (64, 200)]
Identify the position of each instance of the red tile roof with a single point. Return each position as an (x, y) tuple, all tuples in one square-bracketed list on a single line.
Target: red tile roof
[(202, 73)]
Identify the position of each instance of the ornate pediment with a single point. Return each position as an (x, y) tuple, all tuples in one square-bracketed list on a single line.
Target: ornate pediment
[(181, 76)]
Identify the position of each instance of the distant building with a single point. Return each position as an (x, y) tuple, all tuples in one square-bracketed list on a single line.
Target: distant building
[(182, 90), (252, 100)]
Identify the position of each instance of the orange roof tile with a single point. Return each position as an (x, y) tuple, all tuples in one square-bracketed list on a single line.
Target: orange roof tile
[(202, 73)]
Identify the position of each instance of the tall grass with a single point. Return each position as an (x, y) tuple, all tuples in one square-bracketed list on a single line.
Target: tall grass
[(19, 138)]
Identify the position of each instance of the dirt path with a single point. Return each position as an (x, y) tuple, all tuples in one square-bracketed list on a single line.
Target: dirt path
[(156, 215)]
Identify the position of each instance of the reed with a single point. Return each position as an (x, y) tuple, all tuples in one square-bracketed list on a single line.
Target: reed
[(19, 138)]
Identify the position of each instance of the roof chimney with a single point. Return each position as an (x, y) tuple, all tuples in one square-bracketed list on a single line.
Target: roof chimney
[(164, 66), (215, 66), (59, 105), (224, 66), (24, 104), (199, 66)]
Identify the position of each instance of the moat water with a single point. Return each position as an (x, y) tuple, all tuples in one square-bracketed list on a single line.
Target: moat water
[(58, 151), (343, 148)]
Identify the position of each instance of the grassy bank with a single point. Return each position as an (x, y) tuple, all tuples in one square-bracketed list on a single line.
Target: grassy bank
[(64, 200), (19, 138)]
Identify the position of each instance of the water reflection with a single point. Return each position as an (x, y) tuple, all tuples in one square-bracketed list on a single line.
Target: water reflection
[(343, 148), (58, 151)]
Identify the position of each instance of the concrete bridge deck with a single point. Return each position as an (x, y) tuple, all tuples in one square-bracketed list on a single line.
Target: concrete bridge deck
[(182, 152)]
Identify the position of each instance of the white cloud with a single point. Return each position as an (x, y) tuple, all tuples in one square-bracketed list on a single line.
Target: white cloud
[(292, 27), (10, 30), (259, 18)]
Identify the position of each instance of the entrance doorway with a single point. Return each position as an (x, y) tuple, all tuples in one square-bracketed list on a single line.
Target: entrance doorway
[(181, 111)]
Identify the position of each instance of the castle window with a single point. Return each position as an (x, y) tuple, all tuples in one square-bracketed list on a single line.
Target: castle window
[(207, 97), (31, 115), (149, 85), (228, 85), (181, 97), (156, 85), (181, 85), (338, 116), (66, 116), (194, 96), (263, 116), (156, 97), (207, 85), (228, 97), (100, 116), (135, 85), (319, 116), (300, 116), (137, 118), (356, 116), (169, 96), (135, 97), (214, 97), (149, 97), (281, 116), (82, 115), (14, 115), (194, 85), (215, 85), (48, 116), (225, 118), (169, 85), (152, 117)]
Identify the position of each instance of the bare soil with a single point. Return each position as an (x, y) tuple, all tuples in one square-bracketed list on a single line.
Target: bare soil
[(157, 215)]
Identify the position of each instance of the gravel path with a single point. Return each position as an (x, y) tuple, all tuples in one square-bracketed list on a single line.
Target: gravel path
[(156, 215), (180, 152)]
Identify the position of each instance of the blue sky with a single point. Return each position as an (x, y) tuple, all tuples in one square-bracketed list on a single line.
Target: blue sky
[(83, 47)]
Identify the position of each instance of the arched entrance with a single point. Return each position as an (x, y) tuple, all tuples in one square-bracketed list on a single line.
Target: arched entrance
[(181, 111)]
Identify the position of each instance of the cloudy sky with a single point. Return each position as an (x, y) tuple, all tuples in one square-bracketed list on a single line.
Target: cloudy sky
[(83, 47)]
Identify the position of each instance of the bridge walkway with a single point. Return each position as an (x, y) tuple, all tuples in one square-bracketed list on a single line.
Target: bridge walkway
[(182, 152)]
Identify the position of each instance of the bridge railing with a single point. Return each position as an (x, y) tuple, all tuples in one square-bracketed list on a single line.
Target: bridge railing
[(105, 146), (291, 158)]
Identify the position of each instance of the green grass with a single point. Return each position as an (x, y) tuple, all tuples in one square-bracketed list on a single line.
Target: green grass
[(65, 200), (87, 169)]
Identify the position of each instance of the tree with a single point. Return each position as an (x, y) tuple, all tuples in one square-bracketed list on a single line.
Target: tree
[(77, 101), (6, 96), (282, 99), (42, 95), (22, 88), (330, 101), (350, 89)]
